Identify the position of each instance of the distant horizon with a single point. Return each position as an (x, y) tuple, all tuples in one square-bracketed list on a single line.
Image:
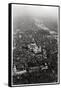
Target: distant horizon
[(25, 15), (30, 10)]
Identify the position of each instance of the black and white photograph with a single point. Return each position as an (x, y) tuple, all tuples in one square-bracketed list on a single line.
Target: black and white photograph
[(35, 39)]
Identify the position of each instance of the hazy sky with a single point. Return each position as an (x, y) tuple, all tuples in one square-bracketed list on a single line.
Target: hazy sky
[(29, 10)]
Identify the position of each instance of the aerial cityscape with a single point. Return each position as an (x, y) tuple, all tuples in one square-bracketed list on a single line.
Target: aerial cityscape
[(35, 44)]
